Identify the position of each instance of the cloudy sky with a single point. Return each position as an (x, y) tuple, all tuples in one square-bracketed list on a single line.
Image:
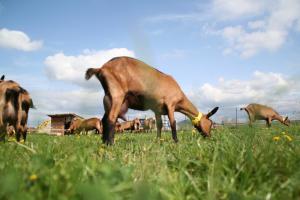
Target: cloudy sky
[(222, 54)]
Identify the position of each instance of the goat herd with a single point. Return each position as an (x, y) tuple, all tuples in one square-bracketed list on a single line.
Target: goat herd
[(127, 83), (84, 125)]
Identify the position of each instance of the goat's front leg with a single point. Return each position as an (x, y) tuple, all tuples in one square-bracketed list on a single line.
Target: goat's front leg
[(172, 123), (158, 124), (269, 121)]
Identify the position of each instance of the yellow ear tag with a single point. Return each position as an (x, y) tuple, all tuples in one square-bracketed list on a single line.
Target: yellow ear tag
[(197, 119)]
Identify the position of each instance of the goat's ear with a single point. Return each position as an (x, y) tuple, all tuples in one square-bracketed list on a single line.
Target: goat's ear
[(32, 105), (2, 77), (212, 112), (286, 118)]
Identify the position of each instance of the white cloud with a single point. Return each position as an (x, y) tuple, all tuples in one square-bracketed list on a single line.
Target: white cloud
[(256, 24), (276, 90), (248, 26), (84, 97), (72, 68), (248, 44), (225, 10), (262, 87), (268, 33), (80, 101), (18, 40)]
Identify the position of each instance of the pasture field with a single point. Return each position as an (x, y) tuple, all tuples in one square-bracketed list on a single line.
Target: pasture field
[(235, 163)]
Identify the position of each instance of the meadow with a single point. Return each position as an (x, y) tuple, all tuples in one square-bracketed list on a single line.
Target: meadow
[(235, 163)]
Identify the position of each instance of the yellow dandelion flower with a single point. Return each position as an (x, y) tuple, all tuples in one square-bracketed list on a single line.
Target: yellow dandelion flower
[(289, 138), (33, 177), (193, 131), (101, 149), (283, 133), (276, 138), (22, 141), (161, 139)]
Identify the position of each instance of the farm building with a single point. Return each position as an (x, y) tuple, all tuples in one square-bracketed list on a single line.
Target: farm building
[(61, 122)]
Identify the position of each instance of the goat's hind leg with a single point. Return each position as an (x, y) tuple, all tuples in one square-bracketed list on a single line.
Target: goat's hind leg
[(251, 120), (111, 118), (268, 121)]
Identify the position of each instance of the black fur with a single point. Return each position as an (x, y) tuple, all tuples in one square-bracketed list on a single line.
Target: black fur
[(212, 112)]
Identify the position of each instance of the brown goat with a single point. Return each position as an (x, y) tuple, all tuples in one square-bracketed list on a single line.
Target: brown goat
[(118, 127), (262, 112), (85, 125), (149, 125), (133, 125), (17, 115), (14, 107), (130, 83)]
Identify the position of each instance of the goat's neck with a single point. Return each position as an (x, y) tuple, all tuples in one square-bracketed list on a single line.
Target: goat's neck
[(187, 108), (279, 118)]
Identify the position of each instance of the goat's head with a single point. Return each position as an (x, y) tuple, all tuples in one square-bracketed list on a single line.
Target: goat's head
[(204, 124), (286, 121), (137, 124)]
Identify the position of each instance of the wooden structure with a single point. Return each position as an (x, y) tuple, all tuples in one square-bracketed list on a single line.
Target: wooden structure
[(61, 122)]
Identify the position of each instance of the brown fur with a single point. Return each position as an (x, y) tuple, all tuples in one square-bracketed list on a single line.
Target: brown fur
[(130, 83), (133, 125), (14, 107), (79, 125), (149, 124), (118, 127), (262, 112)]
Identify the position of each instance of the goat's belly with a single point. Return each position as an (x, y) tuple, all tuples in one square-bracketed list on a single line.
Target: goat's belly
[(259, 117), (143, 103)]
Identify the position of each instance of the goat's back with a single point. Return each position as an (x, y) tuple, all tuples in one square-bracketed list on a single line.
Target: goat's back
[(261, 111), (136, 76)]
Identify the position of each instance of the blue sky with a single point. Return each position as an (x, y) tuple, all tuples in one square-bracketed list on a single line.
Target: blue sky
[(225, 54)]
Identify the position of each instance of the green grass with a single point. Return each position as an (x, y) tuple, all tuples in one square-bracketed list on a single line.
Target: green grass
[(242, 163)]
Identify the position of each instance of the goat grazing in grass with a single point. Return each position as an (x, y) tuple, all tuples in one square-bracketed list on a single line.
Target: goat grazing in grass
[(130, 83), (133, 125), (84, 125), (149, 124), (15, 103), (262, 112)]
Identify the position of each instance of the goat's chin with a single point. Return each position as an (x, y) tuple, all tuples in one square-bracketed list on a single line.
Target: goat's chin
[(205, 135), (201, 132)]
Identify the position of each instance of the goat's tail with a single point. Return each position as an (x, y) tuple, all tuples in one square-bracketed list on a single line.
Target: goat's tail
[(91, 72)]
